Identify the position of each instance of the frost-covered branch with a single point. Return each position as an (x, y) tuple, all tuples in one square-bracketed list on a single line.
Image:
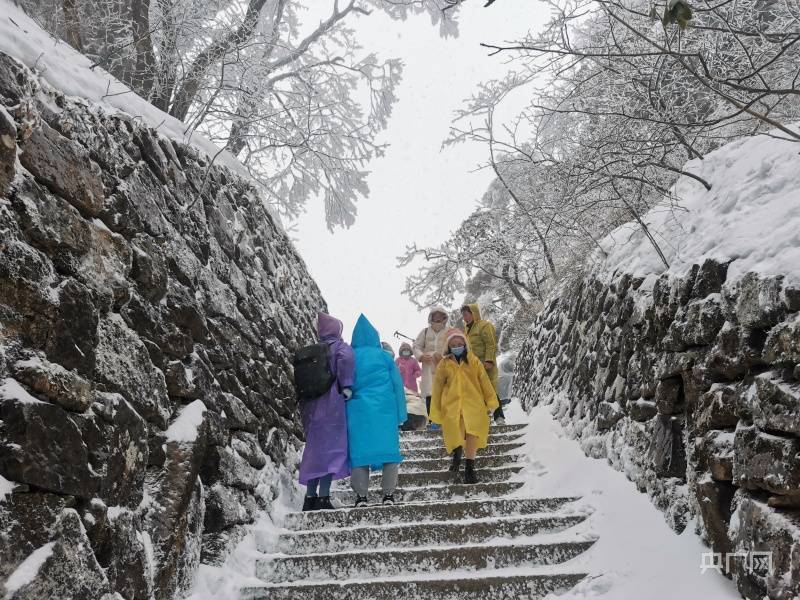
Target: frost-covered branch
[(301, 103)]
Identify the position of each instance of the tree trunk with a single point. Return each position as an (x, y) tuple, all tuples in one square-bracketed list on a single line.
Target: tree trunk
[(188, 90), (513, 286), (166, 70), (72, 23), (247, 103), (241, 127), (545, 246), (142, 80), (641, 223)]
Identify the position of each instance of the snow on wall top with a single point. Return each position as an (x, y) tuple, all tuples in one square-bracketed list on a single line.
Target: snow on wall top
[(70, 72), (751, 215)]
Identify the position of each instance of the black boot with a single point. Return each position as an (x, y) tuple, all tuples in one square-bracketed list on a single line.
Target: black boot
[(360, 501), (456, 464), (325, 503), (469, 471), (310, 503), (388, 499)]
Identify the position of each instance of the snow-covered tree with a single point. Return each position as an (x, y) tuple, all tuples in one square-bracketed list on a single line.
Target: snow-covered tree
[(729, 60), (621, 94), (282, 84)]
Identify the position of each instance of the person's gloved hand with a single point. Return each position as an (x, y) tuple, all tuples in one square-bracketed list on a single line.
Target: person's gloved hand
[(347, 393)]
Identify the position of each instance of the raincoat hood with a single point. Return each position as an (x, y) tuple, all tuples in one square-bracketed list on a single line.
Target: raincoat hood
[(365, 335), (406, 346), (329, 327), (435, 310), (455, 333), (474, 309)]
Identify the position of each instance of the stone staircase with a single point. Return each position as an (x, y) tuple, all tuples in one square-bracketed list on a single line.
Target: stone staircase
[(446, 540)]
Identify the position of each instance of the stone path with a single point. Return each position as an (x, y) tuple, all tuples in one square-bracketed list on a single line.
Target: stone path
[(446, 540)]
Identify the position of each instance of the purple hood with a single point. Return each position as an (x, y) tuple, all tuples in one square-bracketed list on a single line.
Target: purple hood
[(328, 327)]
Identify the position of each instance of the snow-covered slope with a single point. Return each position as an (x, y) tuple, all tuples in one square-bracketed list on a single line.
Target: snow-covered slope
[(73, 74), (751, 215)]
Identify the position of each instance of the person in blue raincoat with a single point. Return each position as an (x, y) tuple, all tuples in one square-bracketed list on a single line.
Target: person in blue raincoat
[(374, 414)]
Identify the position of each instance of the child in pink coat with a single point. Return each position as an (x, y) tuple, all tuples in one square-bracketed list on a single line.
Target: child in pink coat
[(409, 367)]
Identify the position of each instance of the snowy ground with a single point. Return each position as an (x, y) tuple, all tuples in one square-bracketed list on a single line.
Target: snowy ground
[(224, 582), (636, 555)]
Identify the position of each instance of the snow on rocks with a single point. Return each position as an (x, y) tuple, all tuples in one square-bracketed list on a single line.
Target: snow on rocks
[(186, 428), (11, 390), (6, 487), (49, 571), (28, 570), (224, 579), (55, 383), (8, 150), (654, 369), (145, 372)]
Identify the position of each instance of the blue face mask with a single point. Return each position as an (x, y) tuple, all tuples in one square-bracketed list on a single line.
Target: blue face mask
[(458, 351)]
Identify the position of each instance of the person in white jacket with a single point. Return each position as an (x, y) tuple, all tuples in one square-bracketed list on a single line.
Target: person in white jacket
[(429, 347), (417, 413)]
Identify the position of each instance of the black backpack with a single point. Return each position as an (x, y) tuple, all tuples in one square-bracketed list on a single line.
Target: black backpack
[(312, 371)]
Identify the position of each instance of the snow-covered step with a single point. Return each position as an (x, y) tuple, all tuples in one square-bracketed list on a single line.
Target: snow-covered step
[(387, 563), (437, 433), (442, 464), (428, 511), (424, 478), (446, 533), (433, 451), (528, 587), (443, 540), (434, 493), (428, 442)]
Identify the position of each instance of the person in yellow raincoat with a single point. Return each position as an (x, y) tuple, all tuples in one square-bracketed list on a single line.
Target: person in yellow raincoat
[(462, 398), (482, 338)]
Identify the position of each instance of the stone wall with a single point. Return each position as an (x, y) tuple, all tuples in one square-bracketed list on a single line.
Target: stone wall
[(149, 307), (691, 386)]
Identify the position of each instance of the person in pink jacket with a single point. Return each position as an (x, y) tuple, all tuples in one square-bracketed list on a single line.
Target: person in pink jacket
[(409, 367)]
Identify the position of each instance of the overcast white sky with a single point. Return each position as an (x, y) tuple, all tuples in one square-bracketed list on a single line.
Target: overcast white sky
[(418, 192)]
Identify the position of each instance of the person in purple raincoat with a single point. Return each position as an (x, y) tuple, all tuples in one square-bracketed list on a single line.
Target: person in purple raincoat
[(325, 456)]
